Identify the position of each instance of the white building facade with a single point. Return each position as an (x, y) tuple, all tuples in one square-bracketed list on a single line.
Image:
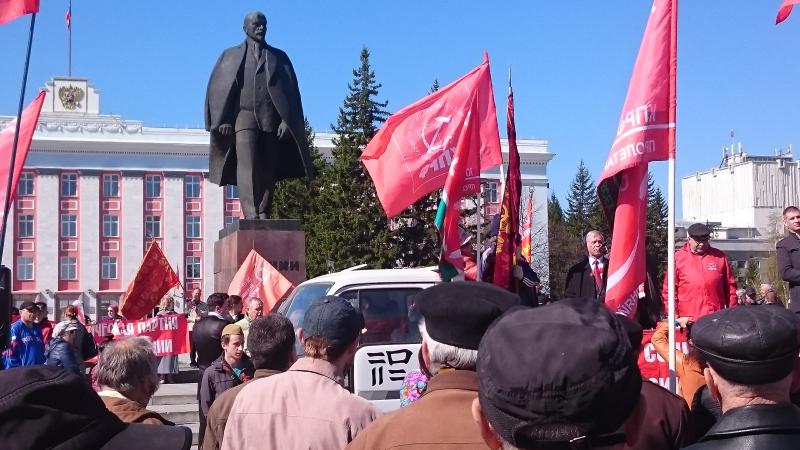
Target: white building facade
[(97, 189)]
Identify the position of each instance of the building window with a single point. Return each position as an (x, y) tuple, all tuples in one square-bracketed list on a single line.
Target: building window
[(25, 184), (69, 268), (230, 220), (193, 186), (152, 227), (193, 267), (69, 225), (231, 191), (109, 268), (25, 226), (111, 185), (25, 267), (69, 185), (110, 226), (491, 192), (152, 185), (193, 226)]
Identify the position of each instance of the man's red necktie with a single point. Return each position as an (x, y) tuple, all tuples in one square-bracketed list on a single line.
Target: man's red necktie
[(598, 276)]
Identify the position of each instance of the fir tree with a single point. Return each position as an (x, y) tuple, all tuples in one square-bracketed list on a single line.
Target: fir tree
[(565, 247), (350, 226), (583, 212), (657, 245)]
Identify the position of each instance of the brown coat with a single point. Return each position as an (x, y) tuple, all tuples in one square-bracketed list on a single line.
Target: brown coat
[(659, 421), (687, 369), (130, 411), (441, 418), (218, 414)]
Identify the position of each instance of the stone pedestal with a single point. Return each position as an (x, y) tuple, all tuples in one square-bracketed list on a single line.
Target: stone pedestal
[(281, 242)]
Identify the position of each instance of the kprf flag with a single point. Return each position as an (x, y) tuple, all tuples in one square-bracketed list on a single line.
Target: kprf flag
[(68, 16), (646, 133), (506, 248), (30, 117), (11, 9), (415, 149), (257, 278), (153, 280), (785, 10), (527, 231)]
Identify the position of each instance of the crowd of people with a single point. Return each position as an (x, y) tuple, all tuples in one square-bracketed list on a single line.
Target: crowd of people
[(495, 371)]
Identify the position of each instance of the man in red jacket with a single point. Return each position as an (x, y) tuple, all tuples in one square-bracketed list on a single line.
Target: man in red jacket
[(704, 281)]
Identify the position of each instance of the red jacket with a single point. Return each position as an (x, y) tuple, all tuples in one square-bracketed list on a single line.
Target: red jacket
[(703, 283)]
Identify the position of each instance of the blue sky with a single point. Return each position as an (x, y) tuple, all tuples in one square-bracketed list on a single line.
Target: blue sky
[(571, 63)]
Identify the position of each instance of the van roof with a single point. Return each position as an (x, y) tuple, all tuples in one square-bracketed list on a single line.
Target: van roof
[(367, 276)]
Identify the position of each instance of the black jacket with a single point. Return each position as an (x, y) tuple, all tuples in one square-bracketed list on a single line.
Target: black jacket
[(773, 427), (788, 250), (59, 353), (207, 338), (580, 281)]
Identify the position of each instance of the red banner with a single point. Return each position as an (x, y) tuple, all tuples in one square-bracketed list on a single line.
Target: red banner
[(11, 9), (785, 10), (527, 231), (415, 150), (646, 133), (256, 278), (506, 248), (170, 334), (153, 280), (654, 367)]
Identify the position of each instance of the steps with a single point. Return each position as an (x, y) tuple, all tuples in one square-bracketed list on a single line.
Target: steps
[(178, 403)]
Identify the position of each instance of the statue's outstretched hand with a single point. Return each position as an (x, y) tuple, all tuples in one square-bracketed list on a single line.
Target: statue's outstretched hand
[(225, 129), (283, 131)]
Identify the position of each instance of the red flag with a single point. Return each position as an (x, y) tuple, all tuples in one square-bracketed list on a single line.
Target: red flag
[(153, 280), (506, 249), (527, 231), (646, 133), (257, 278), (68, 16), (410, 156), (30, 118), (785, 10), (11, 9)]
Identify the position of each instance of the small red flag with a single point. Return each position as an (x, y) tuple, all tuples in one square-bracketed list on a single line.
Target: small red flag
[(68, 17), (257, 278), (646, 133), (11, 9), (412, 154), (153, 280), (785, 10), (30, 118), (527, 231), (506, 249)]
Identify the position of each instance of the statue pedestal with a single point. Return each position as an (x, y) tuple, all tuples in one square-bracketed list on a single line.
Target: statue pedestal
[(281, 242)]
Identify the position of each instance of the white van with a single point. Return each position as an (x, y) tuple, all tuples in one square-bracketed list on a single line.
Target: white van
[(389, 347)]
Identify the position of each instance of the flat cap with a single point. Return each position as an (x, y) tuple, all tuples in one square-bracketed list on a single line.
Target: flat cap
[(458, 313), (748, 345), (582, 371), (699, 230), (335, 319)]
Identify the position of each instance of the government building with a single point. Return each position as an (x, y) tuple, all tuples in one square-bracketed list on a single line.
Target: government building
[(97, 189)]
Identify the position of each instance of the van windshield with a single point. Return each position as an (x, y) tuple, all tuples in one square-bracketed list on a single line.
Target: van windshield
[(294, 308)]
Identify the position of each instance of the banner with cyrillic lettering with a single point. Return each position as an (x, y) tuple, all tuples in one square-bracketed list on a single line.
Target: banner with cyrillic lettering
[(654, 367), (169, 333)]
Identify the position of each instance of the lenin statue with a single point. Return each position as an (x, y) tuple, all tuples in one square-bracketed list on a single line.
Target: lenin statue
[(255, 117)]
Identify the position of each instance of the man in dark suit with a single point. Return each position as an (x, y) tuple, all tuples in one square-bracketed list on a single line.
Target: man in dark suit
[(255, 119), (588, 277)]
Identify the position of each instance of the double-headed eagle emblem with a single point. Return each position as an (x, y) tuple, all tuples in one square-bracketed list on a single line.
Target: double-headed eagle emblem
[(70, 96)]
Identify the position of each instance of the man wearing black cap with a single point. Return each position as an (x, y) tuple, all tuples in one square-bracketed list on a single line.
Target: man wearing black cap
[(456, 315), (577, 389), (704, 280), (306, 406), (788, 250), (27, 344), (751, 354), (49, 407)]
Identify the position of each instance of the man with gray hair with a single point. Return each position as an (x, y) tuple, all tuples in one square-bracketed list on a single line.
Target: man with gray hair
[(588, 277), (456, 315), (126, 373), (255, 309)]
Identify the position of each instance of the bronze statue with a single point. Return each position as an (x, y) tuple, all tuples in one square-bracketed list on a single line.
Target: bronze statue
[(255, 117)]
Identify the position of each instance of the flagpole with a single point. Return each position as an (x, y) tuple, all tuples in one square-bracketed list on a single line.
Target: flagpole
[(479, 215), (7, 205), (69, 51), (673, 386)]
